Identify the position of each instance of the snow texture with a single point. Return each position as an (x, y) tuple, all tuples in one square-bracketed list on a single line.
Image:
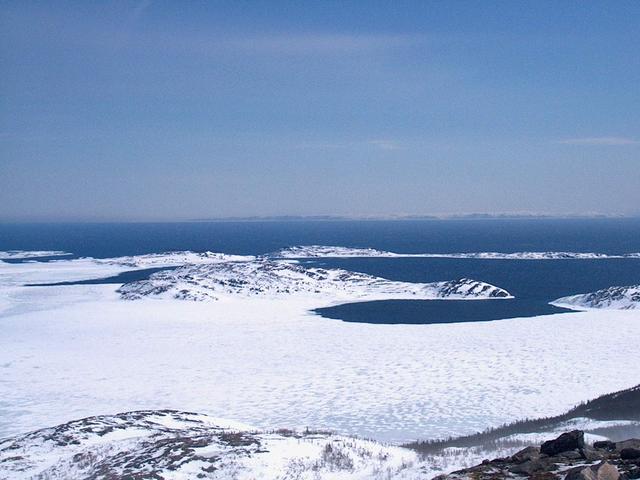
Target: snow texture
[(80, 350)]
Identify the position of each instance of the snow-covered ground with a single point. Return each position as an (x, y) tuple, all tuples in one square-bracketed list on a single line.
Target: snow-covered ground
[(180, 445), (323, 251), (69, 352)]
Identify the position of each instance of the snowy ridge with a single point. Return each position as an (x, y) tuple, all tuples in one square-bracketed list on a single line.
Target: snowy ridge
[(273, 279), (171, 259), (21, 254), (536, 255), (181, 445), (321, 251), (613, 298)]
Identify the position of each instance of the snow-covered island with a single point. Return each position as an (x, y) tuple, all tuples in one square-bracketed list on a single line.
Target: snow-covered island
[(614, 298), (323, 251), (173, 259), (275, 279)]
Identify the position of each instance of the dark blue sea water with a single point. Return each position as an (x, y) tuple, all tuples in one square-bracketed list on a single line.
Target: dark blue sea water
[(121, 278), (533, 282)]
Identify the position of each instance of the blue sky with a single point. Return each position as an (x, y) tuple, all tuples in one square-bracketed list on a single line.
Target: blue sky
[(159, 110)]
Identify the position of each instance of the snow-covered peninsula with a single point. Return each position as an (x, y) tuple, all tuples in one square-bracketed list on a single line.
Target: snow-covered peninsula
[(273, 279), (612, 298)]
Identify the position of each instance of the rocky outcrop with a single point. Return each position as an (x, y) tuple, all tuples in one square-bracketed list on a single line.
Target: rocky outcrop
[(567, 441), (566, 457), (601, 471)]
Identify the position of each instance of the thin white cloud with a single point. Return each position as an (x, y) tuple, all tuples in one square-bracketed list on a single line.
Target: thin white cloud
[(596, 141)]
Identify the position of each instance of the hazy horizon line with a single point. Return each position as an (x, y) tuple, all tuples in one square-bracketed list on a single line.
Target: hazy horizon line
[(328, 217)]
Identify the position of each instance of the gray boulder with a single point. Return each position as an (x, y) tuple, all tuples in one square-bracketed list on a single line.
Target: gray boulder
[(526, 454), (631, 443), (592, 454), (530, 467), (602, 471), (571, 455)]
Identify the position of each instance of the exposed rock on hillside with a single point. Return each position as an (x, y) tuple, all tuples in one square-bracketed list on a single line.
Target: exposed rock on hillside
[(566, 457)]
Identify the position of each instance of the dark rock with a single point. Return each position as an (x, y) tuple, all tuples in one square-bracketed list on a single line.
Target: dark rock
[(529, 453), (499, 460), (630, 453), (567, 441), (605, 445), (571, 455), (580, 462), (543, 476), (530, 467), (580, 473)]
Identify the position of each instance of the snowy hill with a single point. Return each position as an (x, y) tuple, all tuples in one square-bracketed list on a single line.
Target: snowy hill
[(179, 445), (319, 251), (615, 298), (273, 279), (173, 259)]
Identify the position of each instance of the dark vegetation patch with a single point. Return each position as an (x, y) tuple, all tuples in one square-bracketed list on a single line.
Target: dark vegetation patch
[(622, 405)]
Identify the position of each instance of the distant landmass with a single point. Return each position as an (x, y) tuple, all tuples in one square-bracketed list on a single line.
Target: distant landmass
[(445, 216)]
